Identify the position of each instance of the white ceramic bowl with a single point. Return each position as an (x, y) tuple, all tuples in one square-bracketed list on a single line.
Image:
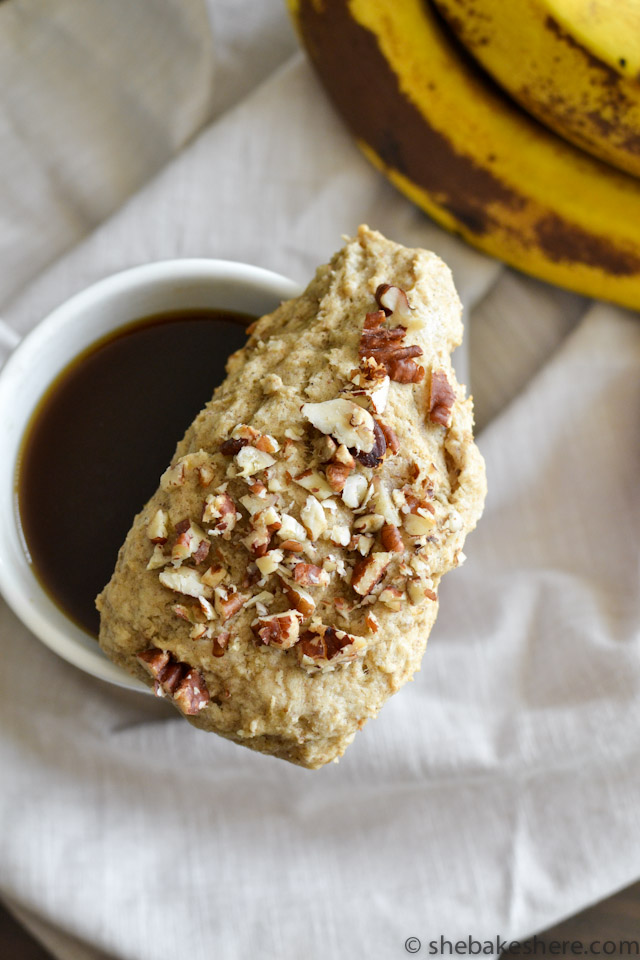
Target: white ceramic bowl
[(45, 352)]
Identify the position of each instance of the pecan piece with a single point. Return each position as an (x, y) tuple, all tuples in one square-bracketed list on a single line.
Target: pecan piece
[(376, 455), (191, 693), (154, 660), (384, 344), (178, 680), (299, 599), (157, 529), (220, 643), (324, 643), (391, 539), (228, 602), (390, 436), (369, 571), (393, 300), (310, 575), (278, 630), (221, 508), (337, 473), (441, 399)]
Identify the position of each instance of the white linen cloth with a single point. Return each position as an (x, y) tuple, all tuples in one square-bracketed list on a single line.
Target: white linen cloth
[(497, 793)]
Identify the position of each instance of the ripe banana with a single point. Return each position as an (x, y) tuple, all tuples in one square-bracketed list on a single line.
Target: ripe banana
[(426, 115), (572, 64)]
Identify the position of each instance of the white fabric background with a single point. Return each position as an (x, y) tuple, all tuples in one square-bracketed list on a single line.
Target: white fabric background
[(497, 793)]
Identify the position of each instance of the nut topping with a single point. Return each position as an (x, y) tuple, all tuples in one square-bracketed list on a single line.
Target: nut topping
[(369, 571), (157, 528), (394, 300), (228, 602), (310, 575), (278, 630), (251, 460), (441, 399), (220, 507), (299, 599), (322, 644), (206, 473), (220, 643), (391, 597), (178, 680), (391, 539), (184, 580), (213, 576), (344, 420), (191, 694), (354, 490), (313, 518), (337, 474), (390, 436), (314, 482), (375, 456), (291, 529), (158, 558), (191, 542), (384, 344)]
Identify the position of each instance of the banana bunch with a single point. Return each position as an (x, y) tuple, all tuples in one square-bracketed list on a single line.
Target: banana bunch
[(574, 65), (446, 134)]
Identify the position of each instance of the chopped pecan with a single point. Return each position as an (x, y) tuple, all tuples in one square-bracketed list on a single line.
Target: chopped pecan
[(278, 630), (299, 599), (376, 455), (191, 542), (310, 575), (391, 539), (343, 456), (337, 474), (221, 508), (205, 473), (441, 399), (369, 571), (213, 576), (178, 680), (392, 597), (251, 460), (326, 643), (191, 693), (172, 675), (266, 444), (185, 580), (228, 602), (372, 622), (154, 660), (294, 546), (393, 300), (384, 344), (157, 529), (202, 552), (390, 436), (220, 643), (343, 420)]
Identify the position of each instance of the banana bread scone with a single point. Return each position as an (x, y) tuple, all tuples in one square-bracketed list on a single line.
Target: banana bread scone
[(282, 582)]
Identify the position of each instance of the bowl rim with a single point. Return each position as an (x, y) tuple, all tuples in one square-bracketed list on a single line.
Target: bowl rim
[(23, 593)]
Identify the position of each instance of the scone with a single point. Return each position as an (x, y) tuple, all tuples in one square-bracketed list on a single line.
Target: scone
[(281, 583)]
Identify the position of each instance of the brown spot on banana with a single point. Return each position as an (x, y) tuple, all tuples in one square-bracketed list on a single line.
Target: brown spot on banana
[(460, 188)]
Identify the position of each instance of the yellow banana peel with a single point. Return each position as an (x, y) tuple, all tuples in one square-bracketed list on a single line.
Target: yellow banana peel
[(574, 65), (431, 120)]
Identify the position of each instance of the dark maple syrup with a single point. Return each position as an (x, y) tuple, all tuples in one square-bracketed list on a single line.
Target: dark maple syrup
[(100, 438)]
